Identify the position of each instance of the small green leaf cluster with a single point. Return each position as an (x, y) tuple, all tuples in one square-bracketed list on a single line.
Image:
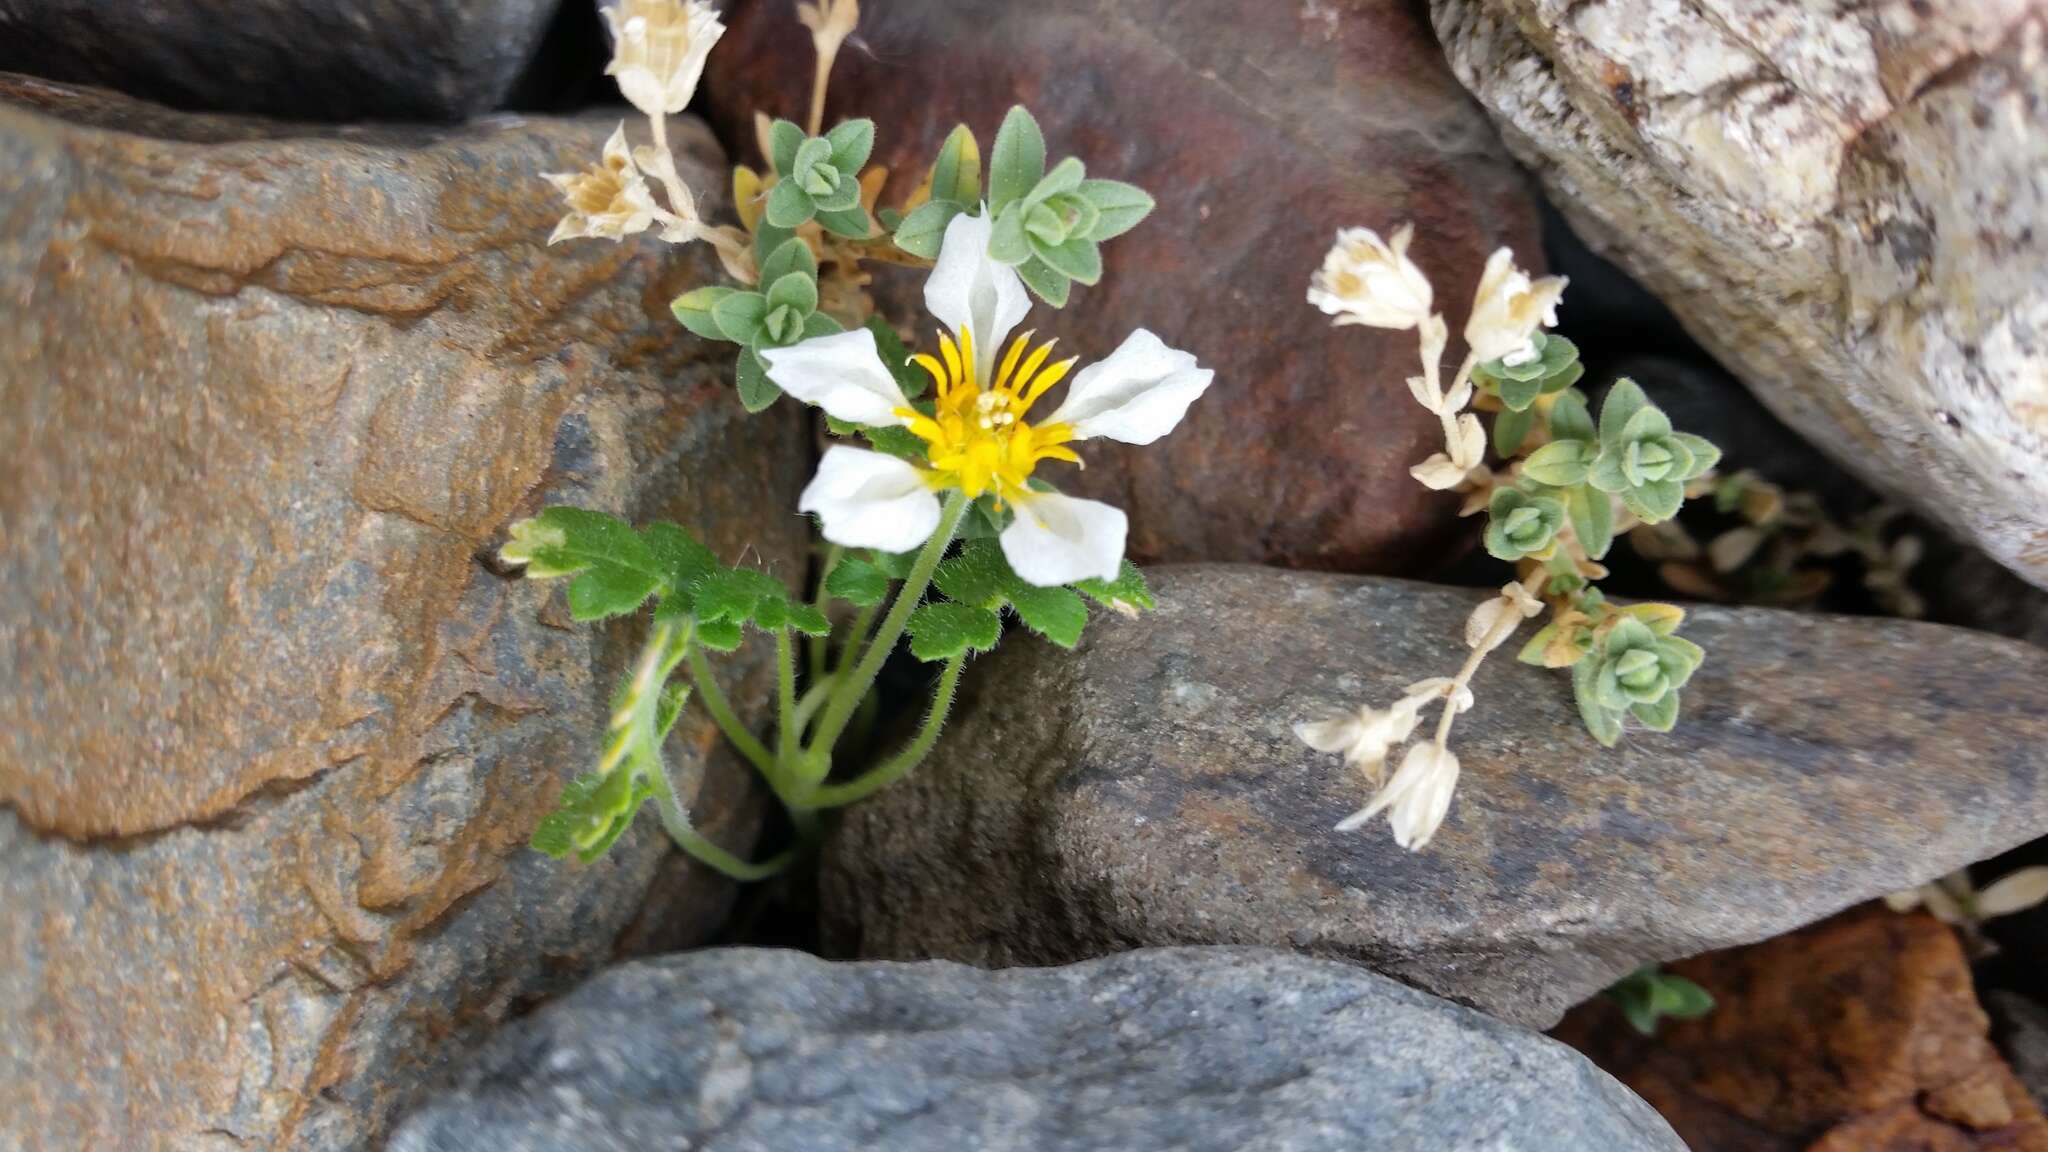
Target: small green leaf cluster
[(1649, 994), (1636, 669), (782, 313), (979, 586), (819, 177), (1049, 224), (1517, 387)]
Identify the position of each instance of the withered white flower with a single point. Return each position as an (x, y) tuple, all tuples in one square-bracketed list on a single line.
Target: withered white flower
[(1515, 600), (658, 50), (1416, 800), (1508, 308), (1366, 280), (1467, 450), (978, 441), (609, 200), (1366, 735)]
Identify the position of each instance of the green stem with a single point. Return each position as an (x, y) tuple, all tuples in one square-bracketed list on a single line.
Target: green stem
[(855, 687), (899, 765), (785, 700), (815, 648), (721, 715), (814, 698), (863, 623), (677, 823)]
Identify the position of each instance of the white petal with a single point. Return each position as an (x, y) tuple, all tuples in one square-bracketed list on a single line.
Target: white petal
[(2014, 892), (971, 293), (1334, 734), (1137, 395), (1059, 539), (1469, 449), (871, 500), (842, 373), (1438, 472)]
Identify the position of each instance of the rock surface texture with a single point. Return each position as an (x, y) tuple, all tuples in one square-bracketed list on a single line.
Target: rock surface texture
[(1193, 1050), (307, 59), (1261, 129), (1861, 1034), (274, 731), (1149, 791), (1848, 205)]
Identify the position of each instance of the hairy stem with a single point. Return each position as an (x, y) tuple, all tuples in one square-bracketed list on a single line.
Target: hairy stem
[(676, 823), (785, 701), (912, 754), (816, 647), (722, 715)]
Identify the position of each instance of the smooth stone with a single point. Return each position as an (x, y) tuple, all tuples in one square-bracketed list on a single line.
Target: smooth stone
[(1148, 790), (1261, 133), (1847, 205), (276, 726), (1189, 1050)]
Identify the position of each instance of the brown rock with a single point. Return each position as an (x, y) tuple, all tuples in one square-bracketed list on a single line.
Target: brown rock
[(1148, 790), (1846, 204), (1261, 130), (275, 732), (1860, 1034)]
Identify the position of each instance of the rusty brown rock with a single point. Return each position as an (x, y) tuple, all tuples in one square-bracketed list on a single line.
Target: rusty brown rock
[(315, 59), (274, 732), (1860, 1034), (1262, 130), (1149, 791)]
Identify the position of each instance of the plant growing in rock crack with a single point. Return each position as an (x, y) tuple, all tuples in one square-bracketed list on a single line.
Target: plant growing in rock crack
[(1650, 994), (1565, 485), (952, 491)]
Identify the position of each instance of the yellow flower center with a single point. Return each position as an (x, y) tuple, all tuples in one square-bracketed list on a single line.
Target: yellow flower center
[(976, 439)]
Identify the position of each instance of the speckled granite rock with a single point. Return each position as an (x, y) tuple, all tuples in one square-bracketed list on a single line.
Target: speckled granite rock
[(274, 733), (310, 59), (1262, 128), (1847, 204), (1149, 791), (1188, 1050)]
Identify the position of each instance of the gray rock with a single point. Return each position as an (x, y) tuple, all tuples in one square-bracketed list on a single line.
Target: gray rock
[(303, 59), (274, 731), (1148, 791), (2020, 1024), (1193, 1050)]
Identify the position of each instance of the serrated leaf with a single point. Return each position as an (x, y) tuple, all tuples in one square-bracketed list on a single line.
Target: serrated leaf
[(1121, 206), (924, 229), (750, 375), (792, 255), (806, 618), (563, 541), (1058, 614), (943, 631), (1045, 282), (719, 635), (896, 564), (977, 575), (1017, 159), (1076, 259), (694, 307), (851, 142), (602, 593), (858, 582), (683, 560), (901, 443), (1128, 593), (741, 595), (957, 174), (784, 138)]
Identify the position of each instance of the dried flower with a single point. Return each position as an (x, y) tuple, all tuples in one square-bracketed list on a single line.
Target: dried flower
[(608, 200), (1508, 308), (1416, 800), (1481, 628), (658, 50), (1365, 280), (1466, 451)]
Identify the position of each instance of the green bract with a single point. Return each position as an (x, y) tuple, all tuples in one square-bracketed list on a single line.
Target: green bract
[(1641, 459), (1519, 524), (1637, 671), (819, 177)]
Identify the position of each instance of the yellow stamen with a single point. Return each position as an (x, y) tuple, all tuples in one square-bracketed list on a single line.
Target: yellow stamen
[(1031, 366), (1017, 348), (975, 438), (1046, 380), (952, 355)]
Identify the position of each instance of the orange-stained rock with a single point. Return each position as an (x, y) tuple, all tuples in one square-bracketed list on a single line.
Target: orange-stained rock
[(1859, 1034), (273, 731), (1262, 128)]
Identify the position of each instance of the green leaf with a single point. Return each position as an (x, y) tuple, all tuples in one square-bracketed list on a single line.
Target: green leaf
[(797, 290), (1570, 419), (809, 154), (1592, 517), (896, 564), (683, 560), (1655, 502), (818, 324), (957, 174), (1604, 723), (789, 205), (896, 358), (719, 635), (1510, 428), (1681, 999), (1623, 401), (901, 443), (694, 307), (1065, 177), (943, 631), (784, 138), (1007, 243), (741, 316), (614, 569), (806, 618), (977, 575), (1017, 160), (602, 593), (1057, 614), (742, 595), (851, 142), (768, 238), (1704, 454), (1127, 593), (591, 813), (1519, 394), (1045, 282), (858, 582), (1121, 206), (669, 708), (1659, 715), (1077, 259), (1560, 463), (852, 223), (925, 228), (792, 255), (840, 199), (756, 391)]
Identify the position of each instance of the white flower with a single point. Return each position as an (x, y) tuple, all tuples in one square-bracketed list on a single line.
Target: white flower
[(1467, 451), (1514, 601), (1508, 308), (977, 439), (1416, 800), (658, 50), (1365, 280), (608, 200)]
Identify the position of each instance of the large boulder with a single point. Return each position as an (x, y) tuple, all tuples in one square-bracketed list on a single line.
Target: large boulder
[(1188, 1050), (1148, 791), (275, 730), (312, 59), (1846, 204), (1261, 131)]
